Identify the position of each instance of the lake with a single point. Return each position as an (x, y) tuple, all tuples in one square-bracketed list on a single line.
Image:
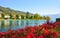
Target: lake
[(17, 24)]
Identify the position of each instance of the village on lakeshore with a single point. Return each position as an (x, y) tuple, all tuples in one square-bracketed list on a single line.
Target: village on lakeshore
[(8, 13)]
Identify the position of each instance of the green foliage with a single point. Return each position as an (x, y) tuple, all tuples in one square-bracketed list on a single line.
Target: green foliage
[(36, 16), (58, 19), (27, 15), (22, 16), (17, 16), (3, 14), (44, 17), (11, 15), (32, 17), (41, 17), (48, 18)]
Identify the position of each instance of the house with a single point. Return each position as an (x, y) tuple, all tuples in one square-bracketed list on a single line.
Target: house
[(14, 16), (19, 17), (0, 15), (7, 16), (24, 17)]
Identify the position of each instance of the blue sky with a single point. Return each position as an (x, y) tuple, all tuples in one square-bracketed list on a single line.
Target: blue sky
[(42, 7)]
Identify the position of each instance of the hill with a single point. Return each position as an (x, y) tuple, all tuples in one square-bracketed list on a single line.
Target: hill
[(54, 16), (28, 15), (9, 10)]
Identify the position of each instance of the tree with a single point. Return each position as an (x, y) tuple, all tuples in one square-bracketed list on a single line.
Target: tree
[(27, 15), (41, 17), (17, 16), (36, 16), (47, 18), (32, 17), (3, 14), (22, 16), (44, 17), (11, 15)]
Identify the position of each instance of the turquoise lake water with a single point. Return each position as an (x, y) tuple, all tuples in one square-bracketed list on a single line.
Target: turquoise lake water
[(17, 24)]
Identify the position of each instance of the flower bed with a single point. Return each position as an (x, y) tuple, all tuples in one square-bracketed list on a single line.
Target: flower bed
[(41, 31)]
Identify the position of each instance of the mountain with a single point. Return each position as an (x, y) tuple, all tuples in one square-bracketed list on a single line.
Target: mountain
[(9, 10), (54, 16)]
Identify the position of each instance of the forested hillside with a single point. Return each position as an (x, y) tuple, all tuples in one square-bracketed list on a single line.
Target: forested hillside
[(9, 10), (24, 15)]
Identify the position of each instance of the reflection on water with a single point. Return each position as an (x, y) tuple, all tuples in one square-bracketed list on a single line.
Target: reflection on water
[(27, 22), (16, 24)]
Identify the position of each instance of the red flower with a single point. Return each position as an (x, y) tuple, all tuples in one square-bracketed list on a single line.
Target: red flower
[(30, 35), (55, 33), (41, 36), (46, 32), (32, 29), (13, 36), (19, 37), (0, 34), (6, 34)]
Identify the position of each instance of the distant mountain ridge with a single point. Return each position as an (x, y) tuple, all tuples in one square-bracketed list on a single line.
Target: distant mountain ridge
[(9, 10), (54, 16)]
